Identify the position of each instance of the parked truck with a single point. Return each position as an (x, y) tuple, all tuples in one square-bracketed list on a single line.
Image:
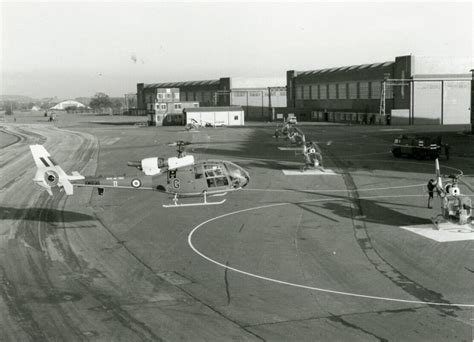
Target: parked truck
[(419, 147)]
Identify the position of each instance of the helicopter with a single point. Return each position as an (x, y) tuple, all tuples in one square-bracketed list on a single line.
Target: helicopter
[(294, 135), (312, 156), (456, 209), (178, 176), (194, 125)]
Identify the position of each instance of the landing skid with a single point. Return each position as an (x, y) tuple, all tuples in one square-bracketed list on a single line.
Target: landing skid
[(177, 205)]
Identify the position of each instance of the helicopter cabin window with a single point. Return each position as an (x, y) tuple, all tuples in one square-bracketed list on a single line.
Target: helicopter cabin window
[(198, 172), (215, 176)]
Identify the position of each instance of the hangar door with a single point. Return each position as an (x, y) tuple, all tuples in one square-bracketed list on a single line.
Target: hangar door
[(427, 102), (456, 102)]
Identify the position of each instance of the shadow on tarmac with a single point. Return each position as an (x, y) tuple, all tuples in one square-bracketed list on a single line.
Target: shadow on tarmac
[(372, 210), (42, 215)]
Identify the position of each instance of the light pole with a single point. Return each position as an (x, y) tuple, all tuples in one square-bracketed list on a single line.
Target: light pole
[(472, 101)]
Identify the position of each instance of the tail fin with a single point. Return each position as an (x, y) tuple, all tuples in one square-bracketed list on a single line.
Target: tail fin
[(49, 174)]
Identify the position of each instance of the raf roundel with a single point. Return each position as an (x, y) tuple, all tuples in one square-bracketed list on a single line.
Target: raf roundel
[(136, 183)]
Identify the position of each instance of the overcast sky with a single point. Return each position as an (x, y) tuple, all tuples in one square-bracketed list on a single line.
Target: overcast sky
[(79, 48)]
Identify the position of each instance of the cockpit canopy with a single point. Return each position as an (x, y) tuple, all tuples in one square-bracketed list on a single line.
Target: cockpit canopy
[(222, 174), (238, 177)]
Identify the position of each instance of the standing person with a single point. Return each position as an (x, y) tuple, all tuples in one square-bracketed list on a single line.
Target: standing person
[(446, 150), (431, 186)]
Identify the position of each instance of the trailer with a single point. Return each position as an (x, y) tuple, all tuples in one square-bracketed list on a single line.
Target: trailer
[(215, 116)]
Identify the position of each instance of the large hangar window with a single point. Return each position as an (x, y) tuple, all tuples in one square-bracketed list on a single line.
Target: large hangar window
[(363, 90), (207, 97), (342, 91), (376, 89), (353, 90), (323, 91), (332, 91), (306, 92), (315, 91)]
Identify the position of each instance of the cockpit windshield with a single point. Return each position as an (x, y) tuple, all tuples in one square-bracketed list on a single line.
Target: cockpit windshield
[(238, 177)]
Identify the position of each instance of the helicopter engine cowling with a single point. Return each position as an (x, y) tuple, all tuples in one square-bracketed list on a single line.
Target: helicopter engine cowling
[(153, 166), (174, 162)]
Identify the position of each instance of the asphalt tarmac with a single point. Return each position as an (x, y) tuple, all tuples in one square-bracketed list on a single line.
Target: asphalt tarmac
[(298, 258)]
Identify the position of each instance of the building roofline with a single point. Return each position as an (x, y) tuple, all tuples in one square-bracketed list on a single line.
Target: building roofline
[(181, 84), (344, 68)]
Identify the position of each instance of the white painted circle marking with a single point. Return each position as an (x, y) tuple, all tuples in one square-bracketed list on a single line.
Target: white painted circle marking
[(250, 274)]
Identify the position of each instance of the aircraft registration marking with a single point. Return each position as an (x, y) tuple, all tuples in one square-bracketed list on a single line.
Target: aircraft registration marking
[(316, 172)]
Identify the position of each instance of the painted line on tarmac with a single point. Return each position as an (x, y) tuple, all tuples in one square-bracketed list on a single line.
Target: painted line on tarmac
[(350, 294), (338, 190), (403, 162), (325, 172)]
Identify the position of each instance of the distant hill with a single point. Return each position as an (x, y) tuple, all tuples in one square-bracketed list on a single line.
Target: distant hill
[(17, 98)]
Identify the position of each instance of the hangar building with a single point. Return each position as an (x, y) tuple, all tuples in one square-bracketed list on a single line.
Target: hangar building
[(259, 97), (409, 90), (66, 104)]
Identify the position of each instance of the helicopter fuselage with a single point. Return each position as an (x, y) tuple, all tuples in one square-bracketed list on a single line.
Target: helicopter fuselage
[(210, 176)]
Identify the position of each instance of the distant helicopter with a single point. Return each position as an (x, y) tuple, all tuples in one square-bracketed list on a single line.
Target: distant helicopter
[(456, 209), (179, 176), (312, 156), (194, 125), (288, 131)]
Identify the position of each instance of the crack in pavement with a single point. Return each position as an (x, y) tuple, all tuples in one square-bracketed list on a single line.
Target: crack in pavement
[(362, 237), (226, 281), (342, 321), (378, 312)]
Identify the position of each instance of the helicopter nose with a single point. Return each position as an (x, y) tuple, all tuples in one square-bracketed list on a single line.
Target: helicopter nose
[(245, 178), (242, 178), (239, 177)]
